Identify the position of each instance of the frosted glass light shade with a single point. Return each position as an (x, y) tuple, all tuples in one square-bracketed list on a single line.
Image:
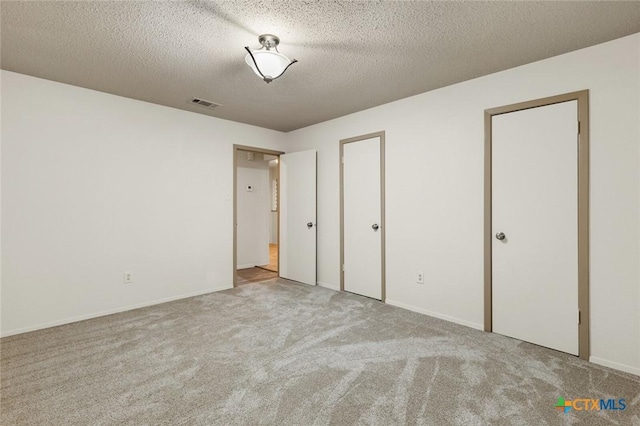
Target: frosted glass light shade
[(271, 63)]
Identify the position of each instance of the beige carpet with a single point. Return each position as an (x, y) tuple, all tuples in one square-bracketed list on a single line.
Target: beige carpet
[(290, 354)]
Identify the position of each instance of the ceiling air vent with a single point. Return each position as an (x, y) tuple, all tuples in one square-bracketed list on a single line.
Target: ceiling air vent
[(204, 103)]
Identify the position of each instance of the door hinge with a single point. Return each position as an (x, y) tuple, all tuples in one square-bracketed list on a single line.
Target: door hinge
[(342, 160), (578, 127), (343, 267), (579, 317)]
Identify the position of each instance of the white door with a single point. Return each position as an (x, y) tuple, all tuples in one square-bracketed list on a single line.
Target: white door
[(298, 216), (534, 204), (362, 218)]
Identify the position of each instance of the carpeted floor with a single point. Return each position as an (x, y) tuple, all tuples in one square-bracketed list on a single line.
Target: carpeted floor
[(288, 354)]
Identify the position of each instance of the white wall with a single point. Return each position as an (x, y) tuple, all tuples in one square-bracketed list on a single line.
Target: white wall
[(253, 211), (434, 189), (94, 185)]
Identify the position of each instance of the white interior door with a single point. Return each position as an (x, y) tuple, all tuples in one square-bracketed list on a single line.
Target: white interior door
[(298, 216), (534, 204), (362, 218)]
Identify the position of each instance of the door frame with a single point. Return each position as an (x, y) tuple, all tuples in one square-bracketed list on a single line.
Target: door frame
[(583, 207), (343, 142), (236, 149)]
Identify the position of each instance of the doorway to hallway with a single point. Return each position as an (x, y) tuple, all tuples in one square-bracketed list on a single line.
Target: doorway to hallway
[(256, 234)]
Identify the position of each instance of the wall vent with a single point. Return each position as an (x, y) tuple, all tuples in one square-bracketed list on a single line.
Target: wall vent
[(203, 103)]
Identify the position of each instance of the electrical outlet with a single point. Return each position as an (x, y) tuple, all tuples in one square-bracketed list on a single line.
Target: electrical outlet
[(420, 277), (128, 277)]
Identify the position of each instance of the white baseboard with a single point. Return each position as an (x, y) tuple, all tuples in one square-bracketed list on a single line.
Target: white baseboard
[(329, 286), (247, 266), (109, 312), (615, 365), (435, 314)]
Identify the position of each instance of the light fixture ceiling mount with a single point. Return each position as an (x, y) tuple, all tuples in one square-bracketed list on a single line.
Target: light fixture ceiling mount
[(267, 62), (269, 41)]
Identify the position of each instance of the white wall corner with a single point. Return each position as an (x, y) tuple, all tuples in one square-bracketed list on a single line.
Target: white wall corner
[(247, 266)]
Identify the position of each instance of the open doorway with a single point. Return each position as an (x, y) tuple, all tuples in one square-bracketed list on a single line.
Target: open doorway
[(256, 215)]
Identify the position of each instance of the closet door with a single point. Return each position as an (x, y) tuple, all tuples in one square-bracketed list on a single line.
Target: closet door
[(535, 225)]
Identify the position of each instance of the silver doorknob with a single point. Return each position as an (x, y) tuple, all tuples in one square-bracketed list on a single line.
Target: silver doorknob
[(310, 225), (500, 236), (375, 227)]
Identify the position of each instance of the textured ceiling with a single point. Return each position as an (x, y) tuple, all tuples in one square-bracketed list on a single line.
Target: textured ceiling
[(352, 55)]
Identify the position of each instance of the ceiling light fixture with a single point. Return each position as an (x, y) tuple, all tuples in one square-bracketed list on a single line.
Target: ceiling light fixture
[(268, 64)]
